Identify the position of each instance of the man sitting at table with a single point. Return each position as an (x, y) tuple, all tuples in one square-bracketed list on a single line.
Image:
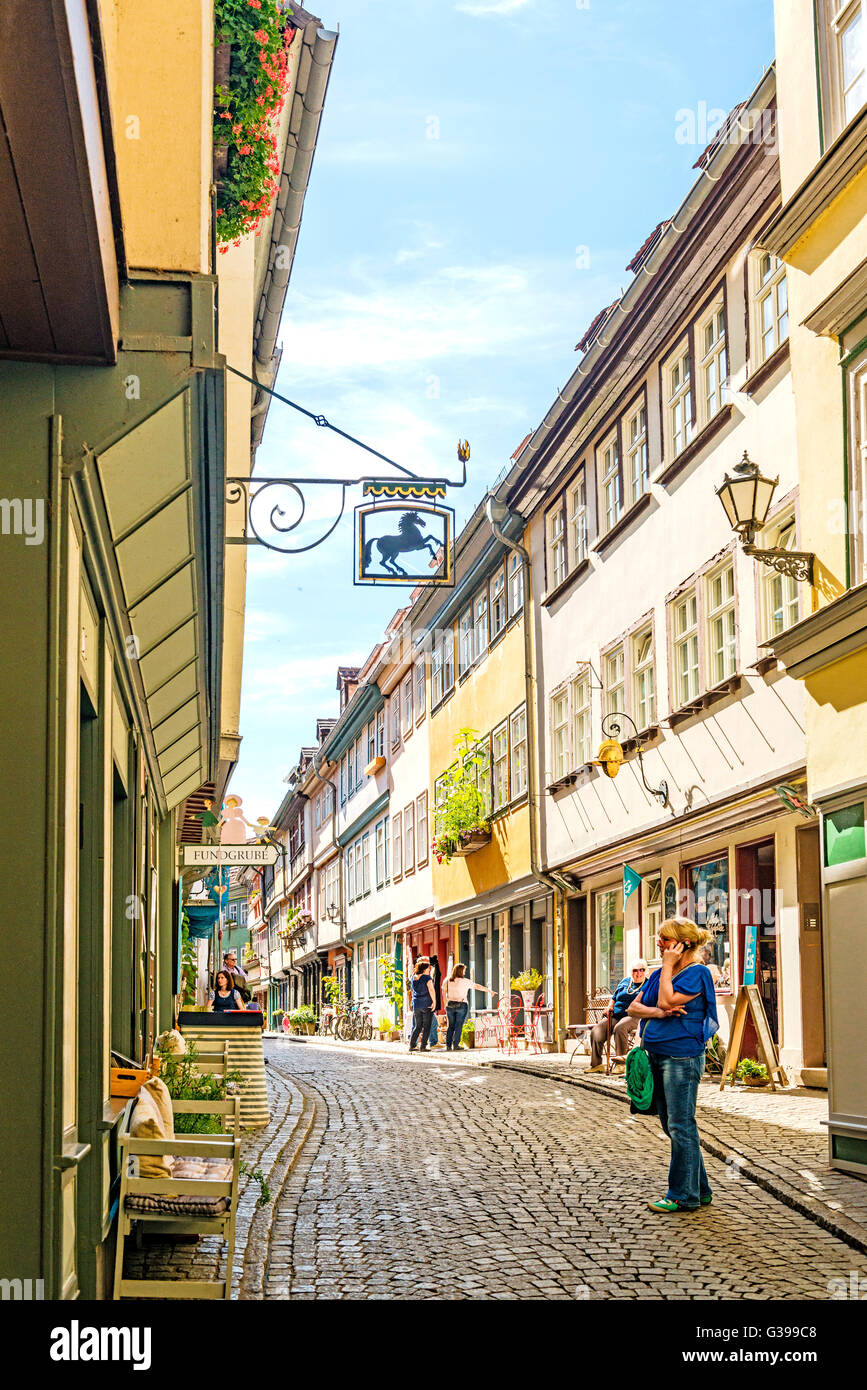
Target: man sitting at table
[(622, 1026)]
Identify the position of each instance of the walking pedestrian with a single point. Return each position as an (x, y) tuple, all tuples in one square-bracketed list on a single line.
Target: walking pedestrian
[(457, 987), (622, 1026), (436, 980), (679, 1006), (423, 1001)]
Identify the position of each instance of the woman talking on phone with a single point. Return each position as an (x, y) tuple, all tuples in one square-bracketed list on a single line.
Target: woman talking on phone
[(677, 1007)]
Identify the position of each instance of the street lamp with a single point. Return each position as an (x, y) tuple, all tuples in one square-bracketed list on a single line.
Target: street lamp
[(746, 500)]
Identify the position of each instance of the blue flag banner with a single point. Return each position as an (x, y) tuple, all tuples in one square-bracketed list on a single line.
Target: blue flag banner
[(631, 881)]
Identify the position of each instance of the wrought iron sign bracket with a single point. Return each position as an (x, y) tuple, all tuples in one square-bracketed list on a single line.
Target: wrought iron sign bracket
[(797, 564), (611, 726)]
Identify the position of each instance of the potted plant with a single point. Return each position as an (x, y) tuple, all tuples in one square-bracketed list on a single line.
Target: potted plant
[(752, 1073), (303, 1019), (463, 813), (526, 984), (394, 1034), (392, 981), (383, 1028), (468, 1033)]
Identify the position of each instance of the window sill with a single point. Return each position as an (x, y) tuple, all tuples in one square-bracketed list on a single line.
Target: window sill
[(624, 522), (435, 709), (570, 781), (763, 373), (764, 665), (375, 765), (566, 584), (641, 739), (703, 702), (670, 471)]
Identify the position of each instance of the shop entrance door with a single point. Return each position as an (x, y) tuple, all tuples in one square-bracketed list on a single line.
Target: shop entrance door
[(757, 908), (576, 957), (811, 945)]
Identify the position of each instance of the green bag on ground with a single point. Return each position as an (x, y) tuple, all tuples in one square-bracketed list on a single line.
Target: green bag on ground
[(639, 1078)]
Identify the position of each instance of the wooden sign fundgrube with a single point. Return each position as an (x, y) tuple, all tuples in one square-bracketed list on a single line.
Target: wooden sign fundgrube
[(750, 1001)]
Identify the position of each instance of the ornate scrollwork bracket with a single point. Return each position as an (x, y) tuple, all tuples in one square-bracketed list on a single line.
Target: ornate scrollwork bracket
[(611, 728), (797, 564)]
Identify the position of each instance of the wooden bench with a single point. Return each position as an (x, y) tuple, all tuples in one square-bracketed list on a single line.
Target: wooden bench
[(200, 1198)]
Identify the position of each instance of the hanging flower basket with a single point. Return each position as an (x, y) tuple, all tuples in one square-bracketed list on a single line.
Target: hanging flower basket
[(476, 839)]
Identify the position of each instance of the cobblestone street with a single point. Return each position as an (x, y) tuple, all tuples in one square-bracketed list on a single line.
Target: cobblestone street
[(431, 1179)]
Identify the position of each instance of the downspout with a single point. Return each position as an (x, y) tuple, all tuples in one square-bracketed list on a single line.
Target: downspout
[(496, 513), (317, 764)]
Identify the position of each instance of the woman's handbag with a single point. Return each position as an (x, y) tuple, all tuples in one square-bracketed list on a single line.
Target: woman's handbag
[(639, 1079)]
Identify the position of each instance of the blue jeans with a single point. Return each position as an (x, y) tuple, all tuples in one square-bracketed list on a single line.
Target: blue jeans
[(456, 1015), (434, 1030), (675, 1089)]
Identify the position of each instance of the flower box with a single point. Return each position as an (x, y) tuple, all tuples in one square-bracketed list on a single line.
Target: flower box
[(375, 765), (477, 839)]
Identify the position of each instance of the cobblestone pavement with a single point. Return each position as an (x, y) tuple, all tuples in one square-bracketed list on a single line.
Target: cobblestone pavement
[(433, 1179), (775, 1137)]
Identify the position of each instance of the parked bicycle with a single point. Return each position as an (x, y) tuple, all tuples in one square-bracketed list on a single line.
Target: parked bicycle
[(356, 1025)]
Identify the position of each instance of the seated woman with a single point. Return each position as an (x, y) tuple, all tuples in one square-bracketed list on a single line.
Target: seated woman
[(622, 1026), (224, 996)]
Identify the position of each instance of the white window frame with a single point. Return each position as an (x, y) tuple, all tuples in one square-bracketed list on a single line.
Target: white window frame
[(555, 526), (766, 289), (781, 593), (577, 529), (643, 671), (856, 383), (436, 671), (422, 840), (465, 641), (677, 386), (394, 715), (614, 679), (480, 624), (516, 584), (409, 838), (651, 914), (379, 852), (725, 614), (637, 466), (497, 616), (582, 719), (500, 767), (685, 639), (837, 18), (380, 733), (518, 753), (712, 353), (419, 691), (448, 659), (406, 725), (397, 845), (365, 864), (609, 473), (560, 741)]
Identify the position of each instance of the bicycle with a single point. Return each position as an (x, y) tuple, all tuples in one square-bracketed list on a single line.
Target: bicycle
[(356, 1025)]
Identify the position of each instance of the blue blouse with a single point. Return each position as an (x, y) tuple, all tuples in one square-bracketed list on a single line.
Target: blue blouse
[(682, 1035)]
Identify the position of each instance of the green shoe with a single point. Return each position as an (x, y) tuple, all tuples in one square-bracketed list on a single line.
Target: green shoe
[(664, 1205), (706, 1201)]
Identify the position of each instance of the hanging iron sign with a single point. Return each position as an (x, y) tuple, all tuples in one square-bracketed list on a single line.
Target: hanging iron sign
[(403, 542)]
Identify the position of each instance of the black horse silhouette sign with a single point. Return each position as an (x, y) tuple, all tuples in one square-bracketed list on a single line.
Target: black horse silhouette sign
[(397, 544)]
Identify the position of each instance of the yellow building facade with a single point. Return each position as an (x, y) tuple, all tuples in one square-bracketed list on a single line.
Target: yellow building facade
[(821, 234)]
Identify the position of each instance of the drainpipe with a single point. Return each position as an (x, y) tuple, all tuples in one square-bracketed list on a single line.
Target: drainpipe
[(317, 764), (497, 512)]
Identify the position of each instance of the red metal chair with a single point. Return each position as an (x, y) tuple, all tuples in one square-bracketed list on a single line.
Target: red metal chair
[(534, 1033), (508, 1029)]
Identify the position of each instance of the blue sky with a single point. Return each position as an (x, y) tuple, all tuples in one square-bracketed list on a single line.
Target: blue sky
[(468, 149)]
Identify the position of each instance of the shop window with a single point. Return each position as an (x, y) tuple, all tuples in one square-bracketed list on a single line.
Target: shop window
[(845, 840), (651, 914), (707, 903), (610, 966)]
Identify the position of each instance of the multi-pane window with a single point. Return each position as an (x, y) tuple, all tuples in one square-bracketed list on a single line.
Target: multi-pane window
[(722, 649), (516, 584), (380, 852), (409, 839), (371, 741), (556, 522), (365, 863), (678, 397), (644, 696), (421, 829), (419, 697), (636, 454), (480, 623), (781, 590), (500, 740), (581, 727), (397, 845), (380, 733), (651, 913), (448, 662), (518, 750), (394, 716), (342, 780), (577, 536), (436, 671), (560, 734), (465, 642), (406, 700), (498, 603), (772, 304), (359, 868), (712, 365), (350, 873), (849, 54), (609, 464), (857, 520), (614, 680), (482, 754), (685, 647)]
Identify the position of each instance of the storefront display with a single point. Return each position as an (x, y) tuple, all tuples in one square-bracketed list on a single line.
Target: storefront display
[(707, 894)]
